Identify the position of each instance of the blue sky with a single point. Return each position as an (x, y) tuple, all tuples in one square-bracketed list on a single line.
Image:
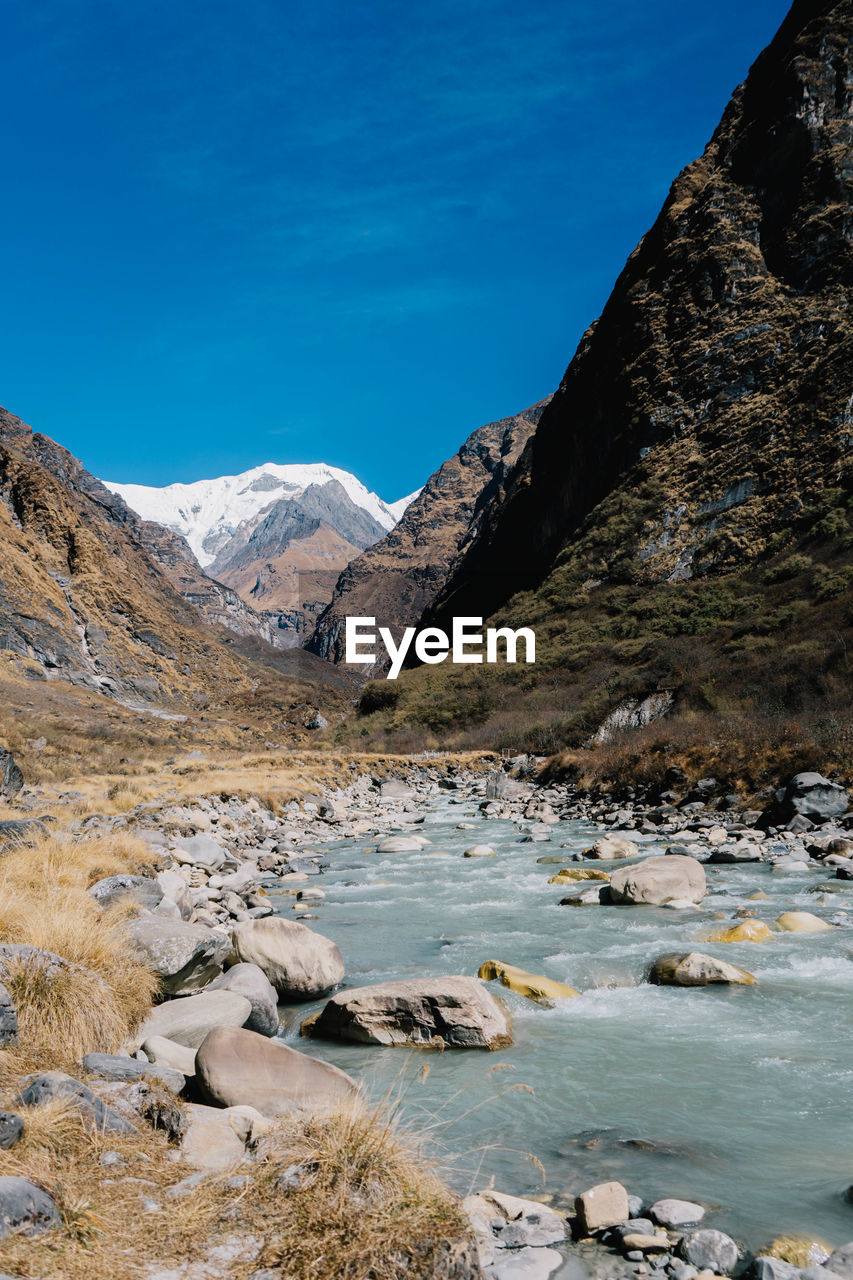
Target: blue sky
[(332, 230)]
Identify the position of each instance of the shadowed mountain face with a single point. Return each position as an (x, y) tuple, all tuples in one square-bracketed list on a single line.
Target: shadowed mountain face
[(398, 578), (680, 521), (717, 378)]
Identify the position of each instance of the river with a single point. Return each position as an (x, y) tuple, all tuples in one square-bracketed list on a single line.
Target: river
[(737, 1097)]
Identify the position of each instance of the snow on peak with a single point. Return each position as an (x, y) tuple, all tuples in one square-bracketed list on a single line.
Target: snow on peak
[(208, 512)]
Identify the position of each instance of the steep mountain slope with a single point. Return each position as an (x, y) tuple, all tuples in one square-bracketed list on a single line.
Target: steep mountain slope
[(287, 560), (680, 521), (278, 536), (82, 600), (395, 580)]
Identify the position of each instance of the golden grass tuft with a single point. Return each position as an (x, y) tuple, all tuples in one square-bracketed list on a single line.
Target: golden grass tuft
[(91, 1005), (367, 1206), (367, 1202)]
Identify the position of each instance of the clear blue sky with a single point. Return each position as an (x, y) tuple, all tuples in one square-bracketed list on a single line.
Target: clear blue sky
[(296, 230)]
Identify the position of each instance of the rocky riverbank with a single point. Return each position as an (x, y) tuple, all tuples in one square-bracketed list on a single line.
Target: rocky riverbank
[(194, 909)]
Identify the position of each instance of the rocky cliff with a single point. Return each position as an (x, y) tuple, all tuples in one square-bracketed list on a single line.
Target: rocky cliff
[(287, 559), (680, 520), (91, 595), (398, 578)]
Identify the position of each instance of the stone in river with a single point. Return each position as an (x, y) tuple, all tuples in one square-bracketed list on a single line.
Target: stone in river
[(659, 880), (532, 985), (746, 931), (609, 848), (802, 922), (450, 1012), (693, 969), (480, 851)]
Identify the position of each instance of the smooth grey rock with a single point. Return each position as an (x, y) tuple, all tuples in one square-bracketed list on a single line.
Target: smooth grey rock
[(25, 1209), (188, 1020), (841, 1261), (710, 1251), (36, 1090), (199, 851), (140, 889), (184, 956), (168, 1053), (764, 1268), (113, 1066), (11, 1128), (676, 1213), (252, 983), (235, 1067), (299, 963), (393, 789)]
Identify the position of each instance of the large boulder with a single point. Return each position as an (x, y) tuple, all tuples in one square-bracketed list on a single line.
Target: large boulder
[(451, 1013), (658, 880), (807, 795), (532, 985), (693, 969), (184, 956), (802, 922), (37, 1090), (300, 964), (252, 983), (187, 1021), (402, 844), (25, 1208), (139, 889), (744, 931), (500, 786), (11, 778), (238, 1067), (612, 847)]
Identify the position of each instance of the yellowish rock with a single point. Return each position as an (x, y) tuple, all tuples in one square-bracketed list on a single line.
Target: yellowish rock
[(802, 922), (759, 896), (746, 931), (800, 1251), (571, 875), (658, 1243), (532, 985)]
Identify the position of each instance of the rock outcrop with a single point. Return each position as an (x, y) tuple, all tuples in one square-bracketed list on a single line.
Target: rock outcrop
[(451, 1013), (398, 578)]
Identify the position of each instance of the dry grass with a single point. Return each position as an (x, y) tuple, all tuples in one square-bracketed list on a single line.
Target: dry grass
[(367, 1206), (92, 1004)]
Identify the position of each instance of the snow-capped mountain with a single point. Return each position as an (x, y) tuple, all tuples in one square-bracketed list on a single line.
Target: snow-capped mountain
[(209, 512), (278, 535)]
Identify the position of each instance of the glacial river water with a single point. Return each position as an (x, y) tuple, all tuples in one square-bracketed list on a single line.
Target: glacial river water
[(736, 1097)]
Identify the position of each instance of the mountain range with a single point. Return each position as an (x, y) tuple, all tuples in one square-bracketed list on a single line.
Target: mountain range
[(676, 521), (278, 535)]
